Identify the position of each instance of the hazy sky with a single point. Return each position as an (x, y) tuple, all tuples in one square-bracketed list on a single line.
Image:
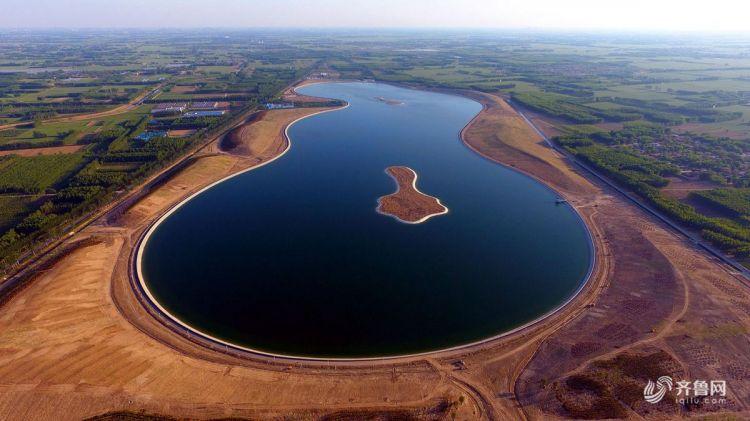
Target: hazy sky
[(661, 15)]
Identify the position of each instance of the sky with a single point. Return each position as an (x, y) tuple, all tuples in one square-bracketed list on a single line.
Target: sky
[(627, 15)]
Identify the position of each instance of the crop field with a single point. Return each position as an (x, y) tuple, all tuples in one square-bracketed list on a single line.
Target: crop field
[(30, 175), (677, 62), (79, 109), (667, 119), (603, 105), (67, 132), (73, 92), (592, 87)]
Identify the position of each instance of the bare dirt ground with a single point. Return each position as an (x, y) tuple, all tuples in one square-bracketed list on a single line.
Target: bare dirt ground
[(43, 151), (262, 137), (291, 95), (180, 133), (79, 341), (409, 204), (665, 309), (680, 189), (183, 89)]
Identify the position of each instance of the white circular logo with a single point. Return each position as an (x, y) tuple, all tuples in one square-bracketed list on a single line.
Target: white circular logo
[(654, 392)]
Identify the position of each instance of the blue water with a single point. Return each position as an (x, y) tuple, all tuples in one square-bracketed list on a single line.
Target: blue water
[(292, 257)]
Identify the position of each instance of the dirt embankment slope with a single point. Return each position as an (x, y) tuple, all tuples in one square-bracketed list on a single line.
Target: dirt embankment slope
[(499, 134), (665, 308), (77, 342), (409, 204), (291, 94), (262, 136)]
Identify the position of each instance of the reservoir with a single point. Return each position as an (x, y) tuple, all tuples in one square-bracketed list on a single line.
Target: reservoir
[(292, 258)]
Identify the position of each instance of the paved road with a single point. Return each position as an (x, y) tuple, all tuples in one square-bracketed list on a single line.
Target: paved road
[(692, 236)]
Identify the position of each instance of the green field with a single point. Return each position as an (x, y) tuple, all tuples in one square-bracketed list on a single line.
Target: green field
[(73, 131), (68, 93), (696, 92), (29, 175)]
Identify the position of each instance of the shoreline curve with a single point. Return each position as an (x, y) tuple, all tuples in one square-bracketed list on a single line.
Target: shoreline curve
[(137, 256), (413, 186)]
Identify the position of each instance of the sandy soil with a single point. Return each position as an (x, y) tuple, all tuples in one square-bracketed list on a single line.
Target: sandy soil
[(180, 133), (183, 89), (79, 341), (409, 204), (262, 137), (666, 308), (290, 95), (43, 151), (680, 189), (499, 134)]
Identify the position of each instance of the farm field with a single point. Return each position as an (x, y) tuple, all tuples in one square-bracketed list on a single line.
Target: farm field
[(36, 174), (578, 84), (78, 125), (104, 132)]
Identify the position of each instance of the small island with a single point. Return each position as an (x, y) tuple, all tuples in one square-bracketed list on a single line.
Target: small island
[(389, 101), (408, 204)]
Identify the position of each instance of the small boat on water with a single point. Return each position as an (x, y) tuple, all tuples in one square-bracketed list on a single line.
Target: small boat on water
[(560, 201)]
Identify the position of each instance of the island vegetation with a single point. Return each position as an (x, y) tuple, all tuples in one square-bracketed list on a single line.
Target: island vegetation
[(408, 204)]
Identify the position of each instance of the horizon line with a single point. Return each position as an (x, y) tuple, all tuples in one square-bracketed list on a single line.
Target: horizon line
[(598, 30)]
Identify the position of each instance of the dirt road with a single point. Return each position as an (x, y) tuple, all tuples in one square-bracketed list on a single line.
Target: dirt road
[(78, 341), (121, 109)]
